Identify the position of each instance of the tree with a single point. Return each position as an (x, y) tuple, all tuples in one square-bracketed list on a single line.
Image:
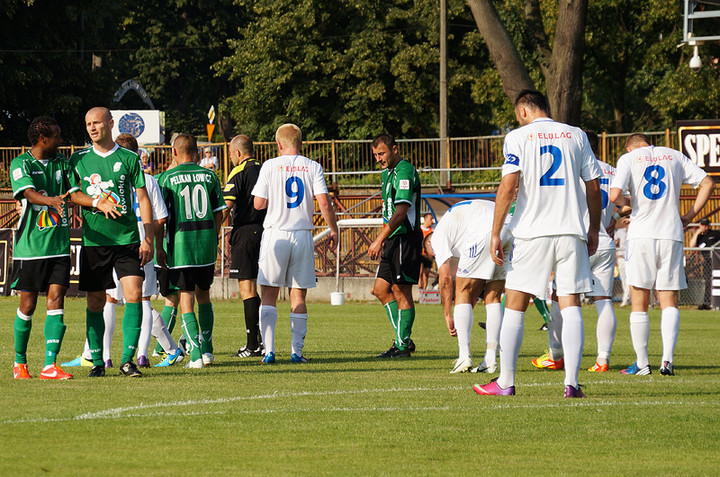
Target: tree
[(559, 56)]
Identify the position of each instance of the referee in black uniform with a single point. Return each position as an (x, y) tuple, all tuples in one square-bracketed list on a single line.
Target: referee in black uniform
[(247, 229)]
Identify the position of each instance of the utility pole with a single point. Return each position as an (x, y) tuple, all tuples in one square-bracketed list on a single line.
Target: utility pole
[(444, 156)]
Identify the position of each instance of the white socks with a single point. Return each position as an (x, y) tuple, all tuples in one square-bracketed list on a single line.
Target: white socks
[(463, 316), (640, 333), (606, 326), (268, 320), (145, 328), (109, 317), (298, 330), (669, 327), (493, 321), (161, 333), (573, 337), (555, 326), (511, 336)]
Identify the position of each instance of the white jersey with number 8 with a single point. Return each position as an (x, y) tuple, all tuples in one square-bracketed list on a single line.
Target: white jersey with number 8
[(654, 176), (553, 160), (289, 183)]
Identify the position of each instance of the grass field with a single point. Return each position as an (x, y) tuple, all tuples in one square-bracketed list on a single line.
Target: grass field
[(346, 413)]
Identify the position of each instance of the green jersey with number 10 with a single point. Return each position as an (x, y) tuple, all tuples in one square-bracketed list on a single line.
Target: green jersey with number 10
[(192, 195)]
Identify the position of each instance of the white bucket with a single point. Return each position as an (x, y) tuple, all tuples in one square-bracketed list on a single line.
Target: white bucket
[(337, 298)]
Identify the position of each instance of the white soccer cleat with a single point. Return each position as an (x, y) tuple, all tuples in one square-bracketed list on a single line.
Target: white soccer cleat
[(208, 359), (485, 368), (462, 365), (197, 364)]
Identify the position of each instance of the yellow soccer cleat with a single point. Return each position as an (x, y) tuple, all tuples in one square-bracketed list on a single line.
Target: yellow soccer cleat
[(544, 362)]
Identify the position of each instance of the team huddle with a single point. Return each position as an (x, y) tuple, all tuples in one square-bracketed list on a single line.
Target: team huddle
[(554, 214)]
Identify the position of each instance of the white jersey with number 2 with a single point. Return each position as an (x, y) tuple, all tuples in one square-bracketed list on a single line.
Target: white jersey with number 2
[(553, 159), (289, 183), (654, 176)]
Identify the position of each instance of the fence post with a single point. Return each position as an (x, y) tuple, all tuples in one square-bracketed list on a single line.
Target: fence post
[(667, 137), (603, 147), (333, 156)]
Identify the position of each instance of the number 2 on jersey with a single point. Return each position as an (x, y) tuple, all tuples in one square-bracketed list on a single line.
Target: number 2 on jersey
[(295, 190), (547, 179)]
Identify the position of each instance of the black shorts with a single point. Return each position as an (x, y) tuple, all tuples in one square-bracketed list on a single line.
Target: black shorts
[(400, 259), (245, 251), (97, 263), (187, 278), (38, 275), (164, 286)]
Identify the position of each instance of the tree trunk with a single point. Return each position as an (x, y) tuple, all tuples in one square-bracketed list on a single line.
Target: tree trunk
[(562, 68), (505, 56), (564, 87)]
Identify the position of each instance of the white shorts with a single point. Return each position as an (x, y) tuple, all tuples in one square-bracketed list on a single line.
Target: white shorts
[(531, 262), (602, 267), (476, 262), (655, 263), (149, 284), (287, 259)]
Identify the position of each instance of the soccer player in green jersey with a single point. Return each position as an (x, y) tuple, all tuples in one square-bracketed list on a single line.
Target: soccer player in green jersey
[(41, 180), (193, 196), (107, 170), (399, 243)]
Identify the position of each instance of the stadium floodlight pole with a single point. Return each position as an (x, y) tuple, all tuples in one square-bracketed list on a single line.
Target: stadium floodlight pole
[(443, 87)]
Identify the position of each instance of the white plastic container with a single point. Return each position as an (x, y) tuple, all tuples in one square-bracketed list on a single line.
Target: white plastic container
[(337, 298)]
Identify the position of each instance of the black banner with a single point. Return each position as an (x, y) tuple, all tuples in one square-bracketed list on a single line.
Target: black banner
[(6, 243), (700, 141)]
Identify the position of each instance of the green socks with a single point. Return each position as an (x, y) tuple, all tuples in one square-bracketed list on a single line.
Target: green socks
[(54, 333), (21, 328), (392, 312), (406, 318), (542, 308), (132, 318), (192, 332), (94, 330), (206, 320)]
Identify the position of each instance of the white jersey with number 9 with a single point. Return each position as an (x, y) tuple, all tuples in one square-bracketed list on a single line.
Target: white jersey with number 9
[(289, 183)]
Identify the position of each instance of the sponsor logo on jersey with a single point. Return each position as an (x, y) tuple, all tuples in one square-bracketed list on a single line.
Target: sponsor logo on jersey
[(117, 166), (36, 173), (557, 135), (17, 174), (512, 159), (58, 176), (48, 218), (531, 136), (229, 186), (404, 184)]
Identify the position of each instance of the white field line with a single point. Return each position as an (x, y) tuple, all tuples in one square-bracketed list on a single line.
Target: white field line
[(502, 403)]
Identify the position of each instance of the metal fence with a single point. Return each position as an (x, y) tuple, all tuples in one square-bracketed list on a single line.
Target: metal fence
[(463, 161)]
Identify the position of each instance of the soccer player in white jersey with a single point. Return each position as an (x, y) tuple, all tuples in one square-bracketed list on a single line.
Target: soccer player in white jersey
[(548, 162), (602, 267), (286, 186), (653, 176), (461, 241)]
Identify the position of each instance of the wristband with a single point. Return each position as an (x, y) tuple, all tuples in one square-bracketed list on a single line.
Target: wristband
[(95, 202), (616, 216)]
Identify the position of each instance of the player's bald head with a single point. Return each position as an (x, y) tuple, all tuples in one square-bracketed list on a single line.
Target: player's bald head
[(243, 144), (100, 112), (635, 141), (289, 135)]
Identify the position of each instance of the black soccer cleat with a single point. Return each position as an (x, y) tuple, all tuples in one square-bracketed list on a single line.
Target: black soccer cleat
[(97, 371), (394, 352), (130, 370), (411, 346), (246, 352)]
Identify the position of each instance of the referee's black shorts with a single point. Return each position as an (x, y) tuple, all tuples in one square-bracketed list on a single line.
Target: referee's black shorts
[(245, 251), (97, 263), (400, 259)]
